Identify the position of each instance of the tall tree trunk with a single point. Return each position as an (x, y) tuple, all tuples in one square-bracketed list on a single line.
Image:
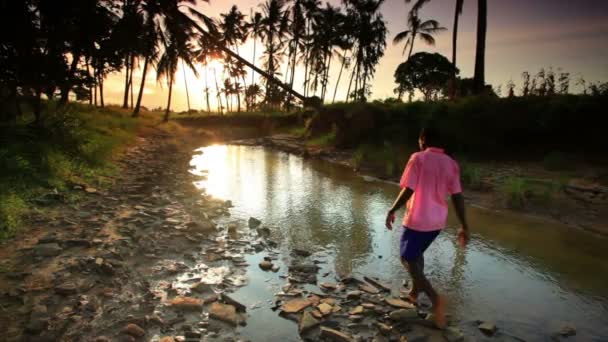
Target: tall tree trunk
[(95, 73), (457, 13), (101, 90), (186, 84), (326, 77), (166, 118), (294, 61), (411, 45), (480, 51), (350, 83), (125, 98), (141, 87), (219, 94), (90, 88), (38, 107), (65, 88), (255, 41), (207, 90), (339, 76), (131, 81)]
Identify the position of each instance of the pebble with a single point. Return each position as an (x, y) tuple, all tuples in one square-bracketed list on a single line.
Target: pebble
[(133, 330), (307, 322), (488, 328), (335, 335)]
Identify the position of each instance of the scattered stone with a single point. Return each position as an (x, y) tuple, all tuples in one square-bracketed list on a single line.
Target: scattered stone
[(353, 294), (186, 303), (98, 261), (266, 265), (355, 318), (329, 300), (403, 315), (369, 306), (307, 322), (275, 268), (329, 286), (201, 287), (399, 303), (295, 305), (358, 310), (133, 330), (65, 289), (254, 223), (47, 249), (224, 312), (567, 330), (90, 190), (325, 309), (488, 328), (453, 334), (230, 301), (369, 288), (167, 339), (335, 335), (302, 253), (384, 329), (317, 314), (377, 284)]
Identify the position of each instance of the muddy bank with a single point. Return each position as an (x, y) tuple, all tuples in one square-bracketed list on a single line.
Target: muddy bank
[(578, 204)]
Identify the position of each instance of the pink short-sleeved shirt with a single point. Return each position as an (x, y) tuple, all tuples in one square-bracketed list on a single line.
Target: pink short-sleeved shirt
[(432, 175)]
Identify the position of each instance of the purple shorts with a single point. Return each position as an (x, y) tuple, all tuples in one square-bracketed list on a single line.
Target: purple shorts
[(414, 243)]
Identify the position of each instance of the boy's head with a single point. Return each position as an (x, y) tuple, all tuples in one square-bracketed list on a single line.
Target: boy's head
[(429, 137)]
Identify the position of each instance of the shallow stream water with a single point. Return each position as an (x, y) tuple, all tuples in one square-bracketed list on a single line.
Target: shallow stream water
[(530, 276)]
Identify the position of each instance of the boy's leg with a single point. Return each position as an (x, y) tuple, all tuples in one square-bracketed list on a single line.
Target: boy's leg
[(422, 284), (412, 296)]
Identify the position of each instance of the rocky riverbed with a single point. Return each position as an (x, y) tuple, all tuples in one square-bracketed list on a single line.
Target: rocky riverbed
[(151, 259)]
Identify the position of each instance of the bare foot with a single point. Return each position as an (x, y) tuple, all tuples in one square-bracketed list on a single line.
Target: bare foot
[(439, 312), (412, 297)]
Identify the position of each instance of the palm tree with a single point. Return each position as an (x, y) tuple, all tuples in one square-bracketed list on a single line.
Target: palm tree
[(418, 29), (480, 50), (255, 30), (234, 32), (369, 39), (297, 31), (273, 30), (311, 8), (150, 45)]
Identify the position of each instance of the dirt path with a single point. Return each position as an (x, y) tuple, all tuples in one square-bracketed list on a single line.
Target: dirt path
[(103, 269)]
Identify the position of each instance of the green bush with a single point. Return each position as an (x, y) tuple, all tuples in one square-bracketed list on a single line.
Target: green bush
[(515, 190), (11, 212), (471, 176), (73, 143)]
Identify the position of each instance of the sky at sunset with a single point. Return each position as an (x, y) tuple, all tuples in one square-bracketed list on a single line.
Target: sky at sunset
[(522, 35)]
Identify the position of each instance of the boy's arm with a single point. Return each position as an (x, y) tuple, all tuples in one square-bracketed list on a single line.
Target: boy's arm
[(458, 202), (402, 198)]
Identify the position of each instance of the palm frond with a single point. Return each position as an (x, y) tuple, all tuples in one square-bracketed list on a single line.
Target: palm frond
[(427, 38), (401, 36)]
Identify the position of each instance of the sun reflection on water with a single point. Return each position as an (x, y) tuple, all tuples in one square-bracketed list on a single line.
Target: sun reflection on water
[(212, 165)]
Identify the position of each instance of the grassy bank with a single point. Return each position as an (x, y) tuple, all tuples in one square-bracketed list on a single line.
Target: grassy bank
[(73, 146), (503, 143)]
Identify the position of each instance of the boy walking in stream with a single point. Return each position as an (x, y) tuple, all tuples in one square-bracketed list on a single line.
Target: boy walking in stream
[(429, 177)]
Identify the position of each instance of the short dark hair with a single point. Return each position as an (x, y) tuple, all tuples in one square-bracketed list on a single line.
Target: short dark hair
[(430, 134)]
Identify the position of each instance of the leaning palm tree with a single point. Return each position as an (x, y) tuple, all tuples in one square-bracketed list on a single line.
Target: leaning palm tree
[(480, 50), (418, 29)]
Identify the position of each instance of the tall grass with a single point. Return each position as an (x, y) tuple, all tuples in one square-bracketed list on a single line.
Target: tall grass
[(74, 144)]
